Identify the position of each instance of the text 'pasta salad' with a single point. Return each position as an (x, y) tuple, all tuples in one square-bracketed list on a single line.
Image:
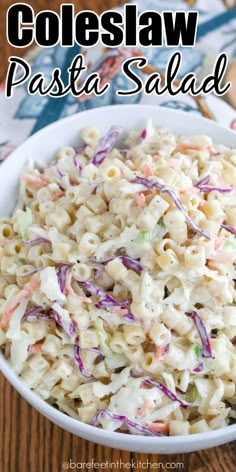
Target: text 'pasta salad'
[(117, 282)]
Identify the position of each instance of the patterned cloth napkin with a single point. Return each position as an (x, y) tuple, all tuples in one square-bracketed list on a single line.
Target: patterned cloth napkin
[(23, 115)]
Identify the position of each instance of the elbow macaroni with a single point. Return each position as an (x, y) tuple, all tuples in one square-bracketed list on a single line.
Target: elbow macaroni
[(111, 252)]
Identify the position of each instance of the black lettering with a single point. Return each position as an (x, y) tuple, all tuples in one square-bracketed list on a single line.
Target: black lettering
[(212, 83), (18, 15), (87, 28), (38, 85), (92, 85), (218, 74), (75, 70), (131, 25), (141, 62), (13, 73), (188, 83), (109, 20), (172, 70), (47, 29), (67, 25), (180, 31), (153, 83), (151, 35), (207, 86)]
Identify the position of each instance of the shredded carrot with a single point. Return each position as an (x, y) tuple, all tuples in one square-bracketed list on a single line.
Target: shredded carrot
[(211, 417), (146, 386), (173, 163), (29, 288), (211, 149), (146, 192), (160, 352), (221, 182), (36, 348), (145, 406), (201, 203), (156, 158), (83, 299), (119, 311), (68, 288), (141, 201), (148, 171), (35, 181), (218, 242), (189, 190), (159, 427), (56, 196), (8, 241), (105, 323), (222, 256), (191, 147), (145, 324)]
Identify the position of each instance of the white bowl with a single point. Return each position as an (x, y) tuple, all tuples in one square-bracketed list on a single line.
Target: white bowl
[(42, 146)]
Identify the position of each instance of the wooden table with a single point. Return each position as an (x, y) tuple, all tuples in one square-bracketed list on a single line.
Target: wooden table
[(28, 441)]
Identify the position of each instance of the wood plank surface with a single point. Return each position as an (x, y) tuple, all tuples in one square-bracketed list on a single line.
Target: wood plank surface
[(28, 441)]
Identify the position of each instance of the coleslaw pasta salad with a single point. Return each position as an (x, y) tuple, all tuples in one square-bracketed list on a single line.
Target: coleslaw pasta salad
[(117, 282)]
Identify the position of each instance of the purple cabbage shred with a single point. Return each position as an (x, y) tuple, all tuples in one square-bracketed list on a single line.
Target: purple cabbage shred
[(106, 300), (77, 165), (152, 184), (132, 425), (142, 136), (61, 275), (109, 301), (105, 144), (93, 289), (80, 149), (68, 327), (167, 348), (37, 312), (206, 345), (204, 187), (199, 368), (96, 350), (166, 391), (58, 174), (79, 362), (31, 272), (129, 317), (33, 242), (132, 264), (229, 228)]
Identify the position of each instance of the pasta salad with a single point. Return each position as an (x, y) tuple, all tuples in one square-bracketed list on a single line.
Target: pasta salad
[(117, 282)]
